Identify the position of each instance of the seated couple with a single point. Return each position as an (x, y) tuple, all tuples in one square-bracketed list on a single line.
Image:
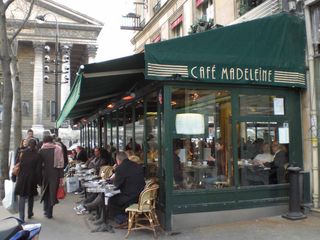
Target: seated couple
[(129, 179)]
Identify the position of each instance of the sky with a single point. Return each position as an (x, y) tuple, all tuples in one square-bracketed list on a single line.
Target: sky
[(113, 42)]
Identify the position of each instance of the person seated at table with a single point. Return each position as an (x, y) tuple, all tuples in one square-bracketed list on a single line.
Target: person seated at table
[(278, 166), (81, 154), (137, 147), (264, 157), (220, 158), (97, 161), (129, 179)]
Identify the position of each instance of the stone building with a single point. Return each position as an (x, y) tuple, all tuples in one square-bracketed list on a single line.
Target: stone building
[(72, 40)]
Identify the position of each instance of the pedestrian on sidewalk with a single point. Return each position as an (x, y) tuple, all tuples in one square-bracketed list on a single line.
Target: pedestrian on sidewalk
[(52, 174), (28, 178)]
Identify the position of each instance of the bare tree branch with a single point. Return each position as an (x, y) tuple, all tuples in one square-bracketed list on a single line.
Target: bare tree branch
[(7, 4), (23, 23)]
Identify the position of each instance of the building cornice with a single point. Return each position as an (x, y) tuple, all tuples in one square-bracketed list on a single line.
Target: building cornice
[(68, 12), (62, 25)]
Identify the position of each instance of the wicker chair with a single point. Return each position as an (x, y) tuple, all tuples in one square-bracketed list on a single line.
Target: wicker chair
[(105, 172), (142, 215)]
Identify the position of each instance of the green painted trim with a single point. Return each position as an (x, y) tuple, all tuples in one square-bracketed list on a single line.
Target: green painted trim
[(167, 148), (124, 127), (145, 123), (117, 128)]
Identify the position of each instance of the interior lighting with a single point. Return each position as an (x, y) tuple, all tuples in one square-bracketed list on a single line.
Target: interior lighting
[(110, 106), (129, 96), (190, 123)]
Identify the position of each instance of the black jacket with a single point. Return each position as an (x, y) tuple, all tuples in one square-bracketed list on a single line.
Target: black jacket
[(129, 179), (29, 175)]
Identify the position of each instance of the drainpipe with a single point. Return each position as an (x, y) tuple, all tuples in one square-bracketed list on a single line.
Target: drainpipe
[(313, 111)]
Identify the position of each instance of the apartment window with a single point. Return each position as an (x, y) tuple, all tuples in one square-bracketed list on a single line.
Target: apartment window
[(315, 25), (25, 108), (176, 26), (204, 9)]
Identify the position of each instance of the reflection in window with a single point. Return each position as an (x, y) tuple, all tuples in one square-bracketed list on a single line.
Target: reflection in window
[(261, 105), (202, 139), (134, 140), (152, 136), (263, 153)]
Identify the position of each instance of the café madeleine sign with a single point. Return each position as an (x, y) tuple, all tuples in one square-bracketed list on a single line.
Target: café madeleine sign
[(224, 74), (231, 73)]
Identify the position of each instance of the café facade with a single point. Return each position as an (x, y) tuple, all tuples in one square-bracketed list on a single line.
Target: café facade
[(198, 110)]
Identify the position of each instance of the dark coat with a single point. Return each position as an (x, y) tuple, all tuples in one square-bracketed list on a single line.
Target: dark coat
[(278, 170), (29, 174), (97, 162), (50, 175), (129, 178), (82, 156)]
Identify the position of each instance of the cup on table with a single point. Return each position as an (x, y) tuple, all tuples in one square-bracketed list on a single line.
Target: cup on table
[(205, 163), (189, 163)]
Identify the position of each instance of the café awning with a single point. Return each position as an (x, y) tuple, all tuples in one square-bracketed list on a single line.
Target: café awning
[(265, 51), (98, 83), (268, 51)]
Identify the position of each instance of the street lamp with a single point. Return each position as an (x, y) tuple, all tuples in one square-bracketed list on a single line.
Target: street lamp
[(57, 61)]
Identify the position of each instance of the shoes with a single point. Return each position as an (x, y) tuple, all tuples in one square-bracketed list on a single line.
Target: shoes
[(92, 218), (78, 207), (82, 212), (104, 228), (30, 216), (98, 222), (49, 217), (79, 193)]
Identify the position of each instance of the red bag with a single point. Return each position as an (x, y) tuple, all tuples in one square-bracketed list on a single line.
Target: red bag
[(61, 193)]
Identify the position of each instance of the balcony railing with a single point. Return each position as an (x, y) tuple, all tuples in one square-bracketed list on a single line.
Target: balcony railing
[(247, 5), (132, 21)]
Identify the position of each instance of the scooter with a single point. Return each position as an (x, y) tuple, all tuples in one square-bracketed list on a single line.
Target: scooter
[(12, 228)]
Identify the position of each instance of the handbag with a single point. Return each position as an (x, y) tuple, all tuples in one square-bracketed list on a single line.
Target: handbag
[(61, 193), (16, 169)]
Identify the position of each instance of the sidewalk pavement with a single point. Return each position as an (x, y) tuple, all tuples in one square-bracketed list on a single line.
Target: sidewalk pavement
[(67, 225)]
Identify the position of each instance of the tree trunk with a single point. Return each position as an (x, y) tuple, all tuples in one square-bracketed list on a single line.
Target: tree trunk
[(16, 84), (7, 100)]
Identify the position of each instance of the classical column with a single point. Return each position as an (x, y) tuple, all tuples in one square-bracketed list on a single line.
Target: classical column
[(37, 108), (92, 52), (65, 76)]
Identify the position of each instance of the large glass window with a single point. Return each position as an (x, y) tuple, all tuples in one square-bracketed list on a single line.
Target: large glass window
[(202, 150), (263, 152), (152, 135), (134, 137), (261, 105)]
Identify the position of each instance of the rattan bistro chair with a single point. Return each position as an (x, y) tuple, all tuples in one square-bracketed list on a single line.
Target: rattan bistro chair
[(142, 215)]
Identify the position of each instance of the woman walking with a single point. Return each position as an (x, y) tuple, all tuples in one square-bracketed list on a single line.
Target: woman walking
[(28, 177), (52, 174)]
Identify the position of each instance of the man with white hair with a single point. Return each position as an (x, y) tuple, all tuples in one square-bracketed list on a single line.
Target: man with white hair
[(129, 179)]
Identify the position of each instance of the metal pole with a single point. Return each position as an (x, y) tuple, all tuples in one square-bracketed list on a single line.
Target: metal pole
[(294, 198), (56, 72)]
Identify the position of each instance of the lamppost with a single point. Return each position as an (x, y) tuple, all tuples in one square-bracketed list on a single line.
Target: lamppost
[(57, 61)]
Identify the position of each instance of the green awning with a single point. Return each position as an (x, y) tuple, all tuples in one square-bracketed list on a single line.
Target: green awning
[(98, 83), (265, 51)]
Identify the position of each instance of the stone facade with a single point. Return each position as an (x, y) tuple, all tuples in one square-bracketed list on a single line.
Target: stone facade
[(63, 26)]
